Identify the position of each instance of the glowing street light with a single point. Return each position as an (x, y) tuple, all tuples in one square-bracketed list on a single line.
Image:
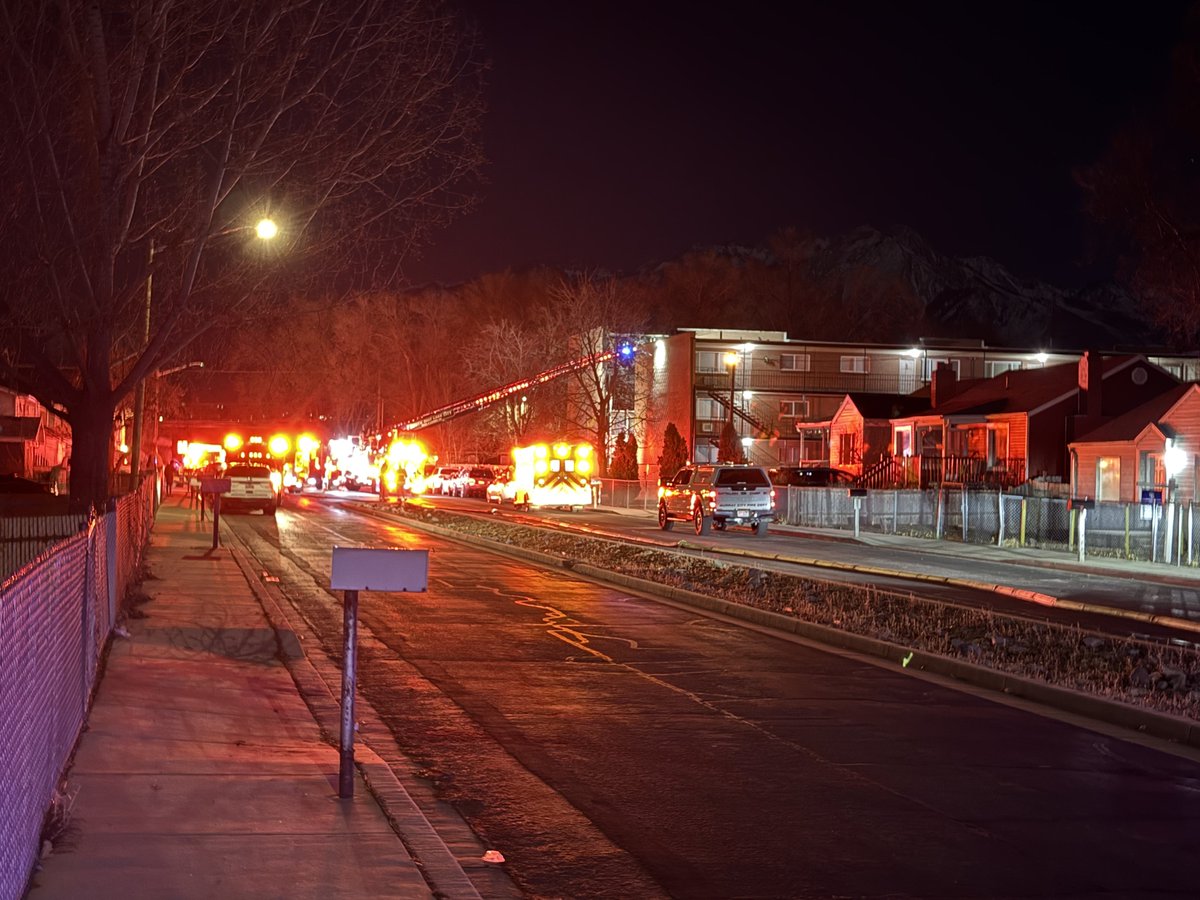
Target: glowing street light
[(266, 229)]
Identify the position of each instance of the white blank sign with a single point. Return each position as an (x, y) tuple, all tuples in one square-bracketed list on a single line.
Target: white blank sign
[(379, 569)]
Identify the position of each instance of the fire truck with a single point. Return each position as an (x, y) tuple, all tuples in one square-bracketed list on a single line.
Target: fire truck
[(553, 476)]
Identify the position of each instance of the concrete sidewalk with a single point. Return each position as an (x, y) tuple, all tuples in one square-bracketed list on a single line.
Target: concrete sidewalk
[(202, 772)]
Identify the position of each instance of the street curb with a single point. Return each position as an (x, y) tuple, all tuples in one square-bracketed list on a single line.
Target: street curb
[(1146, 722), (442, 870)]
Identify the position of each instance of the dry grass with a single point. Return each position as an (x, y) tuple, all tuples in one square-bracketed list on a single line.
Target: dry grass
[(57, 823)]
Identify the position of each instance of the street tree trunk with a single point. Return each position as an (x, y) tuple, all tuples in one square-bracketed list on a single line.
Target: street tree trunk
[(91, 452)]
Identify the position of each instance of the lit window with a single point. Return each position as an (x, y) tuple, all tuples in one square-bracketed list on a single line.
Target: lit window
[(793, 409), (1108, 478)]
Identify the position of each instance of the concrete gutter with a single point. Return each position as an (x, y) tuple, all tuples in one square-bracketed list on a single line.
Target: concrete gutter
[(894, 656)]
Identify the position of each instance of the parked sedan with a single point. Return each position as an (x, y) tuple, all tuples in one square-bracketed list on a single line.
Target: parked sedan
[(452, 482), (436, 482), (475, 481)]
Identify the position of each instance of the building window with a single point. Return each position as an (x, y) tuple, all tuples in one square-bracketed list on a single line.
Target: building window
[(793, 409), (994, 367), (928, 366), (848, 452), (795, 362), (709, 361), (1108, 478), (707, 408), (856, 364)]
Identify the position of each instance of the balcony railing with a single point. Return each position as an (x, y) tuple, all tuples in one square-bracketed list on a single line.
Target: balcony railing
[(815, 382), (924, 471)]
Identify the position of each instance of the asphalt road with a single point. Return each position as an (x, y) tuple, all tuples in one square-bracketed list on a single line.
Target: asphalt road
[(1027, 571), (613, 746)]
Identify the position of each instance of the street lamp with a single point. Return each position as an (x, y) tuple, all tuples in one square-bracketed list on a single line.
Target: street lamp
[(731, 360), (265, 229)]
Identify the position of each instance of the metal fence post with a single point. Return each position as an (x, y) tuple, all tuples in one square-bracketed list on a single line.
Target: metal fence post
[(1000, 519), (1024, 518), (1082, 532), (1169, 538), (1127, 509), (349, 662), (111, 562), (1190, 516)]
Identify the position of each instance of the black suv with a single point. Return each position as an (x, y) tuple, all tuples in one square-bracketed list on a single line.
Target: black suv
[(811, 476), (718, 496)]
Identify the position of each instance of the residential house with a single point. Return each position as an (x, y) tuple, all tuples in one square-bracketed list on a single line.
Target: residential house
[(1154, 447), (860, 432), (34, 442), (1017, 425)]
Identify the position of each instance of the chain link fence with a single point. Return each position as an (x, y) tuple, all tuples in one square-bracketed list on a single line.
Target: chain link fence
[(956, 513), (1133, 531), (56, 614), (620, 494), (23, 538)]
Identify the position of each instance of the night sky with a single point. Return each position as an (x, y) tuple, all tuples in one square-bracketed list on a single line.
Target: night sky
[(621, 133)]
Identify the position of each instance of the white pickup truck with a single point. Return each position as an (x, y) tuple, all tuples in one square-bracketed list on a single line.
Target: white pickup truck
[(718, 496)]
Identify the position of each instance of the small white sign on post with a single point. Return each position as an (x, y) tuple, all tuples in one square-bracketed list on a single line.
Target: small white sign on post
[(379, 569), (357, 569)]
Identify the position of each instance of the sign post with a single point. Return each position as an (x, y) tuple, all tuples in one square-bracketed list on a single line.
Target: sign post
[(857, 494), (1083, 504), (357, 569), (214, 487)]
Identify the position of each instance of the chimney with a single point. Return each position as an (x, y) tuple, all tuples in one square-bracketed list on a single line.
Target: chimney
[(943, 385), (1091, 377)]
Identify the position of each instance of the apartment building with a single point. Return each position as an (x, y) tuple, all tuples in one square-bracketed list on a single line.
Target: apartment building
[(783, 393)]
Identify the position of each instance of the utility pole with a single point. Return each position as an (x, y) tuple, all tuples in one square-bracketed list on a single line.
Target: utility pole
[(139, 402)]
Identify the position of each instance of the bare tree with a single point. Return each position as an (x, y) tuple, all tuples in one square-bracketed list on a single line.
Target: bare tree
[(589, 314), (144, 138), (500, 353), (1144, 192)]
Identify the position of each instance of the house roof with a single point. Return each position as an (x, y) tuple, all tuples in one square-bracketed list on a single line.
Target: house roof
[(1129, 427), (1024, 390), (19, 428), (889, 406)]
